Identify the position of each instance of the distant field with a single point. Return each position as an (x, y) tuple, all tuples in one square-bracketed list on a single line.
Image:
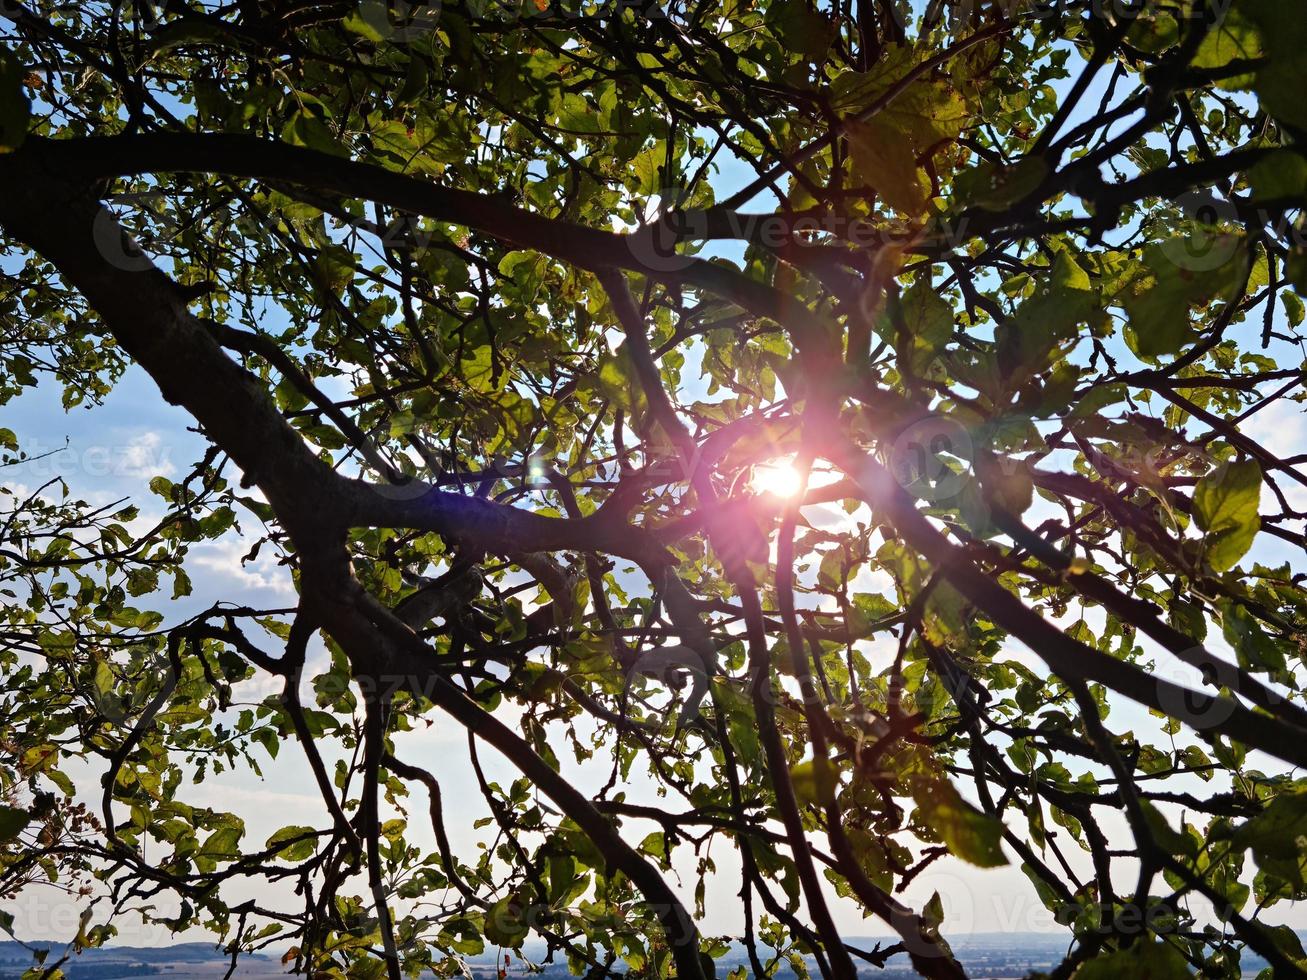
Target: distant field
[(997, 956)]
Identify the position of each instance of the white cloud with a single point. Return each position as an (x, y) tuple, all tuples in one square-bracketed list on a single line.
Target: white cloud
[(145, 455), (226, 558), (1281, 428)]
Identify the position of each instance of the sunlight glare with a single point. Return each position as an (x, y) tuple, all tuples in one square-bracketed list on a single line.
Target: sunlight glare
[(777, 479)]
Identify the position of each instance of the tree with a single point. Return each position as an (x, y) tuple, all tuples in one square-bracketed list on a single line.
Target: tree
[(490, 348)]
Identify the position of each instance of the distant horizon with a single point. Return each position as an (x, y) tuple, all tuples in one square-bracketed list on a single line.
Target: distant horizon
[(1061, 938), (531, 947), (980, 948)]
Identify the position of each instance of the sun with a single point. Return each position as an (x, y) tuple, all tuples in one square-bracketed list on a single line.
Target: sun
[(779, 479)]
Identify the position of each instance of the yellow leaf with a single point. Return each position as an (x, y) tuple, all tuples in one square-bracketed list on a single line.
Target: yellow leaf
[(884, 160)]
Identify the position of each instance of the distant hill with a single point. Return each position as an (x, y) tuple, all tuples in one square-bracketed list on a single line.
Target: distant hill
[(179, 953), (986, 955), (183, 961)]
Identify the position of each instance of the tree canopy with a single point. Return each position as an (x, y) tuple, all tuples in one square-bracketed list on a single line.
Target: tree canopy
[(846, 417)]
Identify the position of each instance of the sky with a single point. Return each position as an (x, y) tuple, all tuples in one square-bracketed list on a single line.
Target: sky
[(112, 451)]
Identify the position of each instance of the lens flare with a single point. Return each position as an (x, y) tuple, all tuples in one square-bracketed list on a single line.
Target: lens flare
[(777, 479)]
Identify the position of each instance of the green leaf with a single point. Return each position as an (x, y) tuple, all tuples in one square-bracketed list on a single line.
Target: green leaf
[(973, 836), (1068, 274), (12, 822), (1183, 273), (1142, 961), (307, 129), (299, 850), (885, 161), (812, 784), (927, 112), (1226, 506), (926, 315), (15, 109), (647, 168), (1153, 30), (356, 23), (1276, 837), (1293, 308), (1044, 321), (1233, 38), (927, 325), (222, 845), (1280, 175), (1188, 617), (506, 924), (655, 845), (801, 27), (1255, 649), (994, 187), (562, 876), (1282, 34), (415, 81), (1008, 484), (462, 935)]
